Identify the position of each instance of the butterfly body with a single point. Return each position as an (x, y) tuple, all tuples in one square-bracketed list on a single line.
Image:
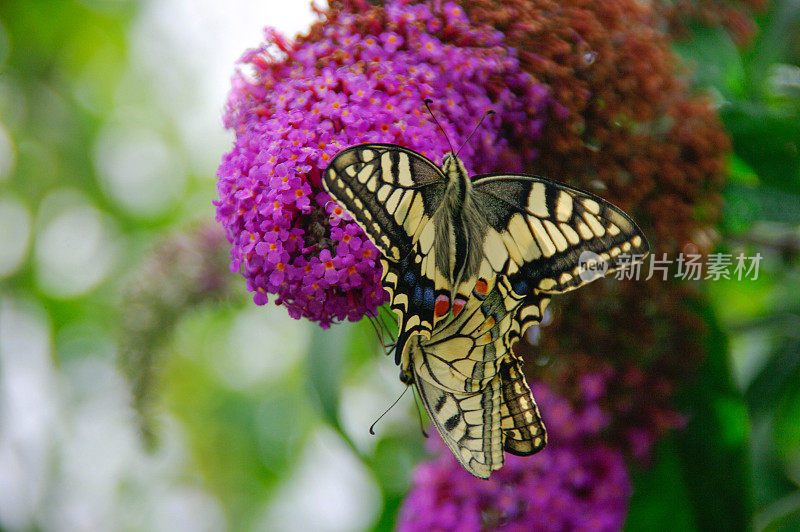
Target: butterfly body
[(470, 263)]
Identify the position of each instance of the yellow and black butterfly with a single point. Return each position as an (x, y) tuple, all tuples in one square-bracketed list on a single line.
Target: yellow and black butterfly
[(470, 263)]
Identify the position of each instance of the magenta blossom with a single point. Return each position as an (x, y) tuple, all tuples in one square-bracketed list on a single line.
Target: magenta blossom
[(358, 79)]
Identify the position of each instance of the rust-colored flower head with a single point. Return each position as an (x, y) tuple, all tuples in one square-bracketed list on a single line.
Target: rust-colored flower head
[(632, 132)]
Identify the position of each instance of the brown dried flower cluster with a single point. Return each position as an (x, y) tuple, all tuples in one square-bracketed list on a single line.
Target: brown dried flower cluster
[(635, 134), (644, 338)]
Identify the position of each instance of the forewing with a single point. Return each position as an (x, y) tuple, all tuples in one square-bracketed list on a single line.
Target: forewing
[(545, 234), (412, 298), (390, 191)]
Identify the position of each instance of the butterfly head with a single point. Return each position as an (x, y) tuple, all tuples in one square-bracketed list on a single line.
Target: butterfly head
[(453, 168)]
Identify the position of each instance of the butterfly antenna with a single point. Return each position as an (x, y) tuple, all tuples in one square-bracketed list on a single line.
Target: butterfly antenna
[(419, 414), (372, 427), (428, 101), (487, 113)]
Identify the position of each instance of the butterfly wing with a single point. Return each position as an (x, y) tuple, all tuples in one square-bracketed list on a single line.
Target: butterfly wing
[(471, 385), (548, 235), (492, 264), (392, 193), (469, 423), (479, 426), (537, 238), (521, 423), (529, 312), (389, 191), (464, 352)]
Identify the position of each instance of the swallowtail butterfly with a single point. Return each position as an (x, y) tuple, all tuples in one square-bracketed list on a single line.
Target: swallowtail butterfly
[(470, 263)]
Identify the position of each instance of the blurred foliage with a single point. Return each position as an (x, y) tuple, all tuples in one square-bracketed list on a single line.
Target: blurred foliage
[(757, 88), (245, 418)]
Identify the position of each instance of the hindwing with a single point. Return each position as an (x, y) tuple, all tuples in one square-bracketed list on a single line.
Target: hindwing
[(478, 426), (465, 371), (521, 423), (464, 352), (469, 423), (529, 312)]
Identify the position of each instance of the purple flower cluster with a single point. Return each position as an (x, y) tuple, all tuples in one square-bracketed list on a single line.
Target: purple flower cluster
[(575, 483), (361, 78)]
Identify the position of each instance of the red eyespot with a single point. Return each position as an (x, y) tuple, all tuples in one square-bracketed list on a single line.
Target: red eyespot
[(458, 304), (441, 306), (481, 288)]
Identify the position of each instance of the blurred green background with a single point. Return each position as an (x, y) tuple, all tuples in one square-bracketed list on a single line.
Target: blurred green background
[(110, 136)]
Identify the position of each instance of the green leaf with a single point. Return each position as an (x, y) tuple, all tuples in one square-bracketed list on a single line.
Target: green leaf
[(782, 515), (774, 42), (769, 473), (714, 59), (660, 496), (701, 480), (714, 447), (787, 418), (780, 371), (745, 205), (741, 172), (768, 140)]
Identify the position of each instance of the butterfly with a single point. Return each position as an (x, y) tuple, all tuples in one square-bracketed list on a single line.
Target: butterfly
[(471, 262)]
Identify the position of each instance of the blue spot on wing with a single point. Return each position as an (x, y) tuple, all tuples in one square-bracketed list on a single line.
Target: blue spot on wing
[(520, 287), (418, 295), (429, 297)]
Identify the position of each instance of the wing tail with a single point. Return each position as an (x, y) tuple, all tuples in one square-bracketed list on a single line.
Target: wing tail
[(523, 430)]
